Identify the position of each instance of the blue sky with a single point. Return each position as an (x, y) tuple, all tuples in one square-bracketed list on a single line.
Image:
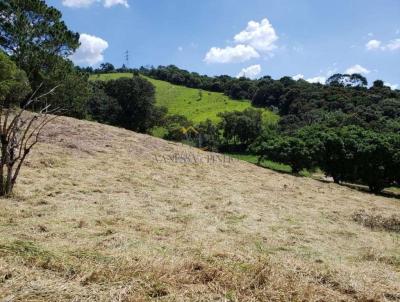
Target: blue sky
[(307, 38)]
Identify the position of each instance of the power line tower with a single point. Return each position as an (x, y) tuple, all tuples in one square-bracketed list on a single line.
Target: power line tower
[(126, 56)]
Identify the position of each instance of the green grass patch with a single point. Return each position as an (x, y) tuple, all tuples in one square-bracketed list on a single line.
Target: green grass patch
[(110, 76), (196, 105), (33, 255), (159, 132), (268, 164)]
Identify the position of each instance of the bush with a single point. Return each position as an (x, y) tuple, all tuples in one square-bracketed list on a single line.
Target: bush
[(175, 126), (136, 97), (208, 135), (241, 127), (287, 150)]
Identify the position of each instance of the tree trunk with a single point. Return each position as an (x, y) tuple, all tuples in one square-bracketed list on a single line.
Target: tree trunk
[(8, 185)]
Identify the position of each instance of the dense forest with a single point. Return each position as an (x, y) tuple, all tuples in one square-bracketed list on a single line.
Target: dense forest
[(346, 128)]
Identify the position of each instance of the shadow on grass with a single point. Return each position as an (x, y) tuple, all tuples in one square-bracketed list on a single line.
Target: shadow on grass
[(393, 192), (267, 164)]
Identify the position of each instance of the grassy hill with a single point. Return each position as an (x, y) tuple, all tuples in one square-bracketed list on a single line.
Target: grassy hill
[(105, 214), (196, 104)]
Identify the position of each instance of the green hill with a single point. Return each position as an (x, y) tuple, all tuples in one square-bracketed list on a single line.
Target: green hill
[(196, 104)]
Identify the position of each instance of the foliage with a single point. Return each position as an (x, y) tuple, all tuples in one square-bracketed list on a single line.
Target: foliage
[(345, 100), (101, 107), (175, 126), (209, 135), (374, 156), (19, 131), (136, 97), (353, 80), (287, 150), (241, 127), (73, 90), (39, 42), (242, 88), (107, 67), (35, 36), (14, 85)]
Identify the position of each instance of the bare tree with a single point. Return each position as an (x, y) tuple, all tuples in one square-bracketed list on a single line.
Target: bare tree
[(19, 133)]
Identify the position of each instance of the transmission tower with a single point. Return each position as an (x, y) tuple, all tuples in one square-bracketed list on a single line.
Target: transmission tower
[(126, 56)]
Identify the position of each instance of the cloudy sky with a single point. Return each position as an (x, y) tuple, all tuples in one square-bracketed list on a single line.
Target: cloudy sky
[(309, 39)]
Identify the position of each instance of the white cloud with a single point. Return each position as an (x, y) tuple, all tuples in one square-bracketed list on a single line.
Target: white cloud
[(180, 48), (258, 37), (250, 72), (109, 3), (373, 44), (87, 3), (239, 53), (261, 36), (394, 45), (357, 69), (78, 3), (90, 52), (298, 77), (318, 79), (392, 86), (376, 44)]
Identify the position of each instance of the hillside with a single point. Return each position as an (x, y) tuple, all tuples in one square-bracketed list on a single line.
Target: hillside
[(197, 105), (105, 214)]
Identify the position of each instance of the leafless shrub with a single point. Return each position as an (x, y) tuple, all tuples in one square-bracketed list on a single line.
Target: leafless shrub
[(19, 133)]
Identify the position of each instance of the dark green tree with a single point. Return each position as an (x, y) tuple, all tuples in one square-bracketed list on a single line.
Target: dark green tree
[(373, 157), (136, 96), (107, 67), (176, 126), (208, 135), (14, 84), (241, 127), (101, 107), (287, 150), (34, 35), (73, 88)]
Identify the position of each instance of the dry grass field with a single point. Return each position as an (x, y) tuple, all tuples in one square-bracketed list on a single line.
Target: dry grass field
[(105, 214)]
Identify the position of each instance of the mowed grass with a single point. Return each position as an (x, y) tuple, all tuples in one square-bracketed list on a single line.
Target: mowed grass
[(195, 104), (87, 225)]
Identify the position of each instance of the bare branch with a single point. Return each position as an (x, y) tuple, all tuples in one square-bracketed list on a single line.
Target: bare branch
[(20, 135)]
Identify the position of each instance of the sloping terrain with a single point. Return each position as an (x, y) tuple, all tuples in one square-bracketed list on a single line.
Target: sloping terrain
[(105, 214), (195, 104)]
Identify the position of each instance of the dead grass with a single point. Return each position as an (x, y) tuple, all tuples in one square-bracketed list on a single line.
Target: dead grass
[(96, 217), (378, 222)]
